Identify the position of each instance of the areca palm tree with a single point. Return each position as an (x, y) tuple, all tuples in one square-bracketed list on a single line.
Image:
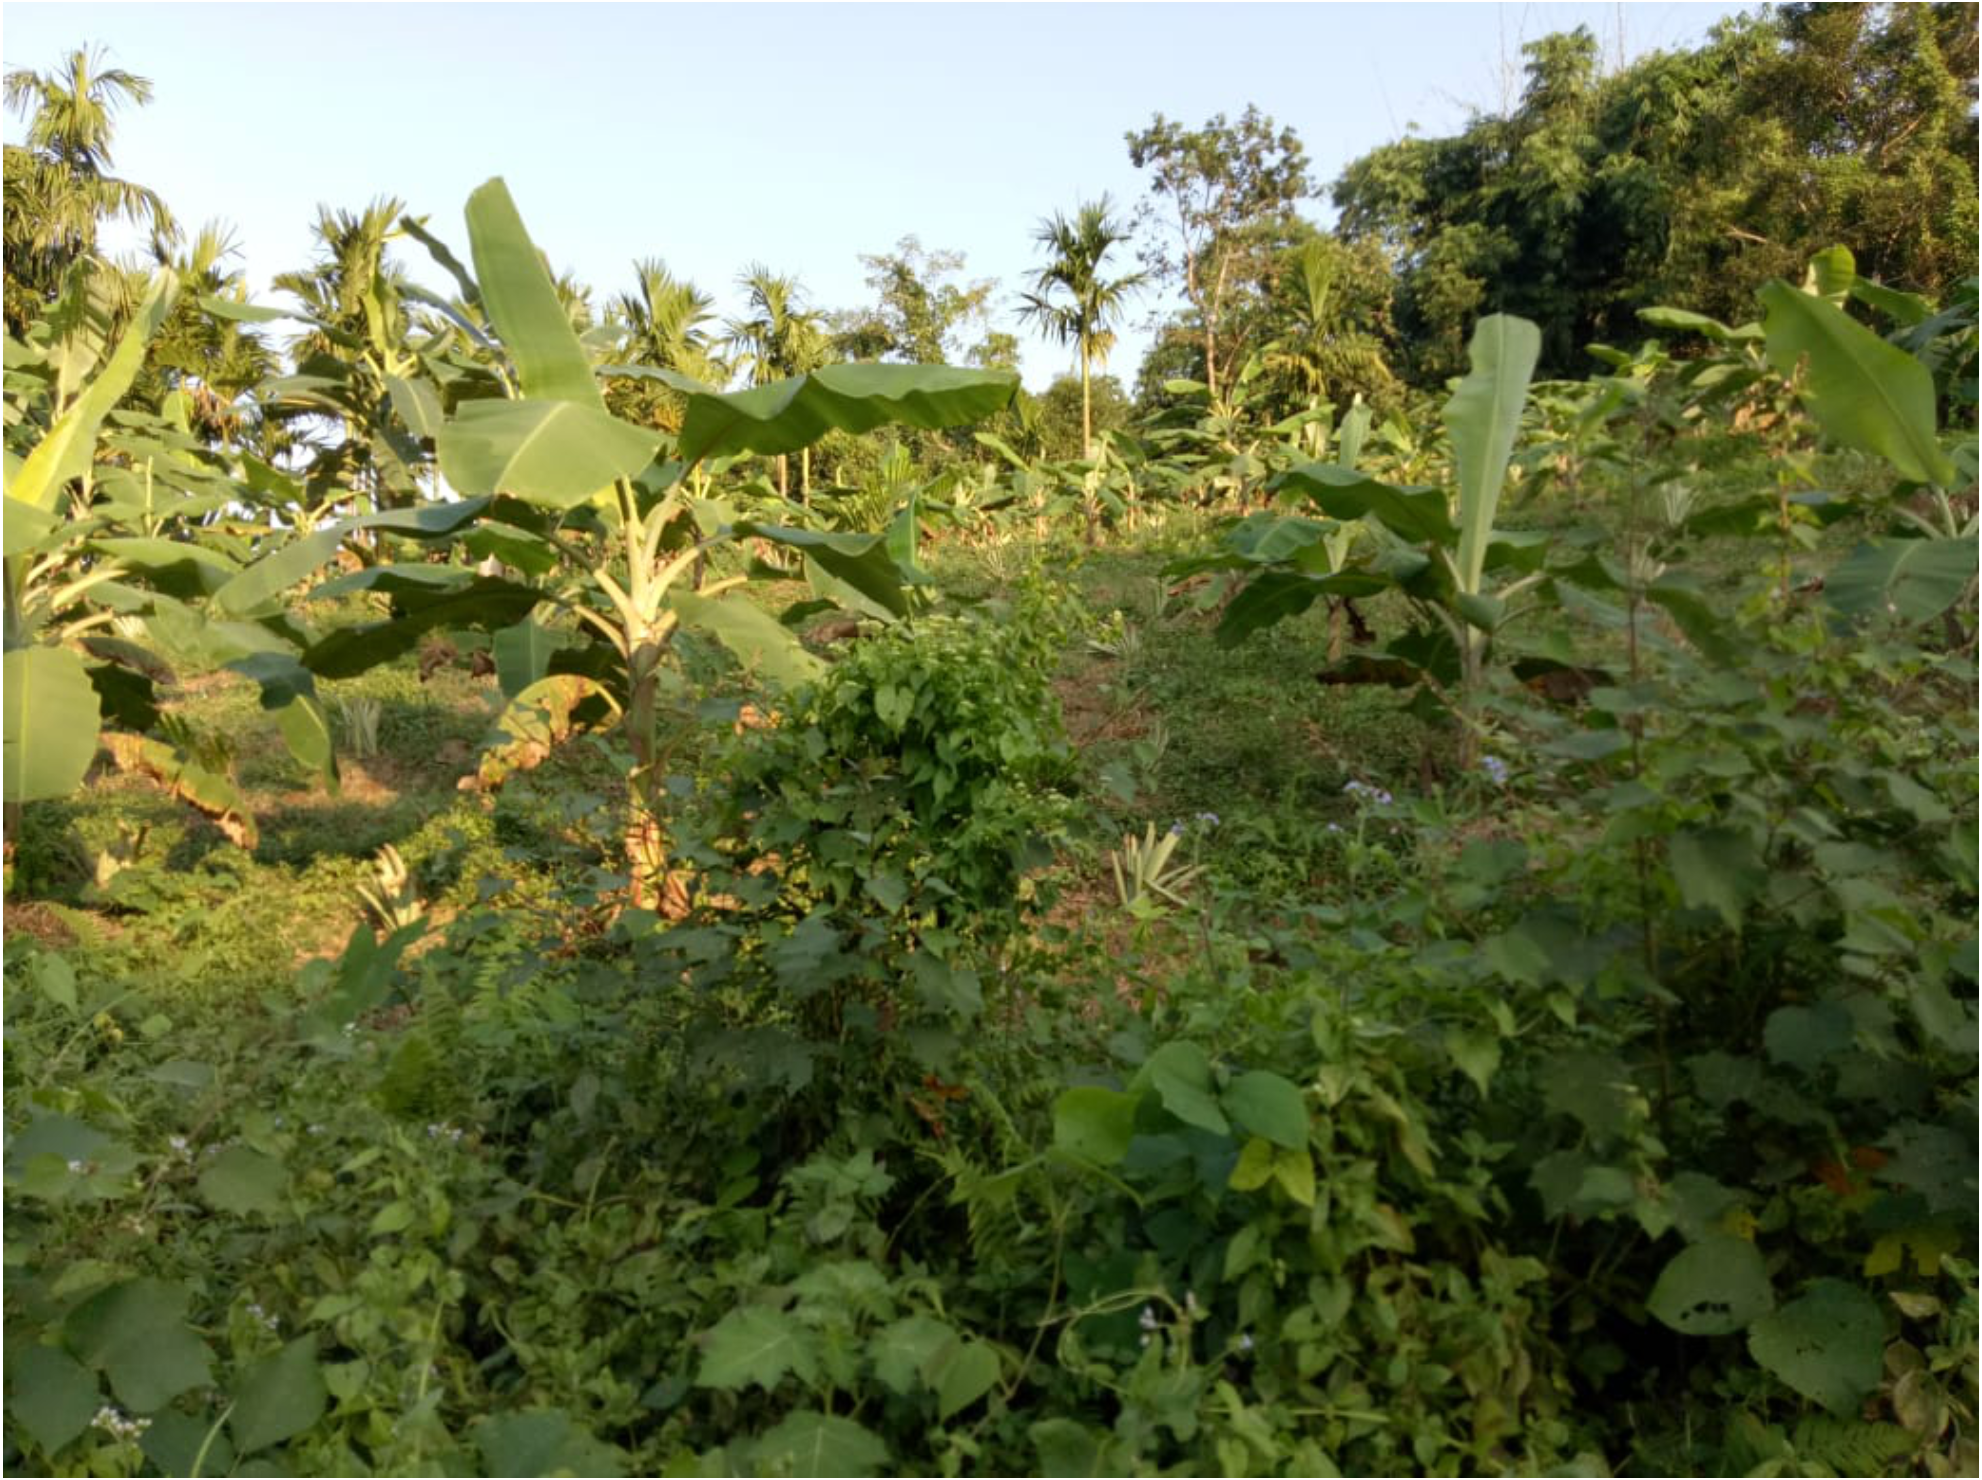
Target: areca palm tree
[(1072, 302), (779, 339), (58, 186), (662, 321), (359, 336), (660, 324)]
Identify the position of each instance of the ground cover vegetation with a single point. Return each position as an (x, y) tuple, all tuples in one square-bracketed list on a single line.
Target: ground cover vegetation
[(1400, 900)]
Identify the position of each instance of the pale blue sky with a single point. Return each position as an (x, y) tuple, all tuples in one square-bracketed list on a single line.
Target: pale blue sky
[(800, 135)]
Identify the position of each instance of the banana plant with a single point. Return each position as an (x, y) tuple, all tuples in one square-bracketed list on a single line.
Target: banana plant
[(1867, 393), (118, 562), (609, 526), (1440, 550)]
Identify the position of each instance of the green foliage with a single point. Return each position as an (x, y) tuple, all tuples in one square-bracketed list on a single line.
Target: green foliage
[(1688, 177)]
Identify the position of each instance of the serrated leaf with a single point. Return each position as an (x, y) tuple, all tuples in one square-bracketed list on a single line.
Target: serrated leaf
[(279, 1397), (1712, 1288), (1827, 1344), (1718, 869), (544, 1442), (903, 1350), (135, 1334), (756, 1344), (812, 1443)]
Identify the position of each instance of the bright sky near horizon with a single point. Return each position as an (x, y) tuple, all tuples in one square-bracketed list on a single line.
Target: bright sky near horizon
[(801, 136)]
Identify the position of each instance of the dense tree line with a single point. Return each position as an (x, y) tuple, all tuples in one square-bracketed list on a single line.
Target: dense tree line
[(1688, 177)]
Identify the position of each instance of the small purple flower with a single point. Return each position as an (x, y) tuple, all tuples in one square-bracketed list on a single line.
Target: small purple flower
[(1176, 829), (1496, 769), (1209, 819)]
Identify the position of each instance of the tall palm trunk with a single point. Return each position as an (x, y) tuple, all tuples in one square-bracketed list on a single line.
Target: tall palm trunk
[(1086, 405)]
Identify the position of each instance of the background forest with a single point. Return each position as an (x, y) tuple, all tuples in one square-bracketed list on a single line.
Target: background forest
[(594, 887)]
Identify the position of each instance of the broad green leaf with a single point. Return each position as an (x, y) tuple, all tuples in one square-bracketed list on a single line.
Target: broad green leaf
[(279, 1397), (1420, 515), (1827, 1343), (1904, 309), (1483, 418), (69, 447), (807, 1442), (789, 414), (1254, 1168), (1094, 1123), (1275, 595), (28, 528), (1180, 1073), (52, 718), (545, 1441), (861, 561), (523, 655), (244, 1181), (1591, 1088), (423, 522), (1916, 580), (1712, 1288), (1803, 1037), (135, 1333), (175, 1442), (263, 582), (756, 638), (1684, 320), (1717, 868), (1294, 1171), (1477, 1055), (244, 313), (1066, 1448), (903, 1350), (1270, 1106), (755, 1344), (396, 580), (174, 566), (54, 978), (486, 603), (1830, 275), (556, 454), (966, 1373), (49, 1395), (551, 364), (416, 404), (1863, 391)]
